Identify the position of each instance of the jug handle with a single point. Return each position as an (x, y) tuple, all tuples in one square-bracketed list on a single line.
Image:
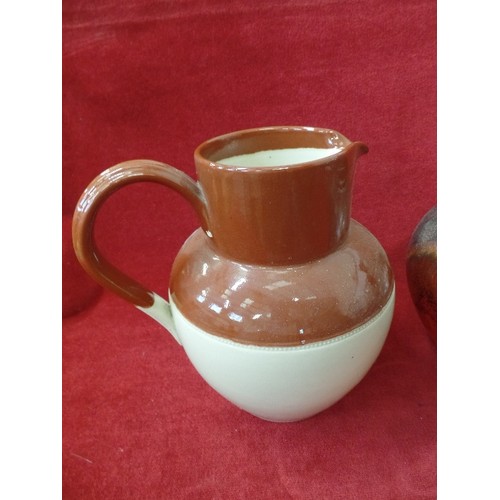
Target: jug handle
[(89, 256)]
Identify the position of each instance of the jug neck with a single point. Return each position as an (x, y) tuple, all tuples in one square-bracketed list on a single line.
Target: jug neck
[(280, 215)]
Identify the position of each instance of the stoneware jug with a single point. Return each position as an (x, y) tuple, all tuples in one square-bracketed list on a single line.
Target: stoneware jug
[(280, 300)]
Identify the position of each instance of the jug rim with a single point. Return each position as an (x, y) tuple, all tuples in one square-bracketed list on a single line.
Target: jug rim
[(253, 140)]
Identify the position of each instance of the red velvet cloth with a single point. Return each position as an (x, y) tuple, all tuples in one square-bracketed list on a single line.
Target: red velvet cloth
[(153, 80)]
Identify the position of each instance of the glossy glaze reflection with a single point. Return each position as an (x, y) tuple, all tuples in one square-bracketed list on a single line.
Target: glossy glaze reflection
[(282, 305)]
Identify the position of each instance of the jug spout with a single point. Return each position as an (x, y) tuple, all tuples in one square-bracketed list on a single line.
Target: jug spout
[(354, 150)]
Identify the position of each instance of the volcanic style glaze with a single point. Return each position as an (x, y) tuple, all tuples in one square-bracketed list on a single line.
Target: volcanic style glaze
[(421, 270), (280, 300)]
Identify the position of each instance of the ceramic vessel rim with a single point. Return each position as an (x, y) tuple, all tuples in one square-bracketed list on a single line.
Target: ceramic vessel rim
[(200, 158)]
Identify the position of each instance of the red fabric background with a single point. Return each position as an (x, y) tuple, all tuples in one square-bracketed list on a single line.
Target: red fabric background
[(153, 80)]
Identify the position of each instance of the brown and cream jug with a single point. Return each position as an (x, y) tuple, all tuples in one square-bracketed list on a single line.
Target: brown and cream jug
[(280, 300)]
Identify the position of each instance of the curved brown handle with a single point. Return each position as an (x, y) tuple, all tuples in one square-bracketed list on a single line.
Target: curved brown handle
[(109, 181)]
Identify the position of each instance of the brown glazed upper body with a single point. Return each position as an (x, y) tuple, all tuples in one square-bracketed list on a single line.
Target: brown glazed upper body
[(282, 263), (282, 305)]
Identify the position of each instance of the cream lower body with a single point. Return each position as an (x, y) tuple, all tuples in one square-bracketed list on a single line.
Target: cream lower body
[(284, 384)]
